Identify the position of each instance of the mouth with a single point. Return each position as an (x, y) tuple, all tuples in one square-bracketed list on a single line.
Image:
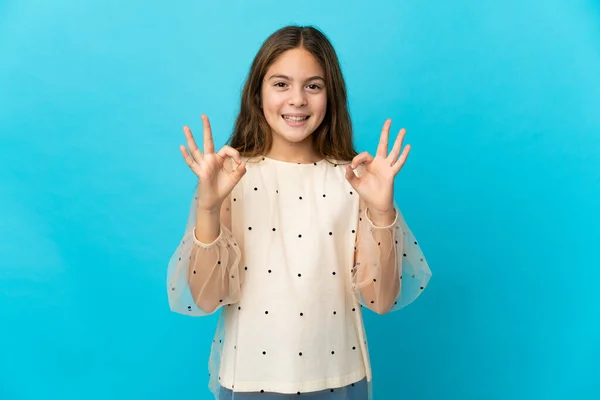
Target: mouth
[(295, 118)]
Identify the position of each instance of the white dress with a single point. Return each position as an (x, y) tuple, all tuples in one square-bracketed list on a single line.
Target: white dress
[(296, 259)]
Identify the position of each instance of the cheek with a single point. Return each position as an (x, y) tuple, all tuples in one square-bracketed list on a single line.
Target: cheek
[(271, 103), (321, 104)]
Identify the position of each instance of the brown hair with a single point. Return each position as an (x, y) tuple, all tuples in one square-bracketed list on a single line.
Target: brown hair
[(333, 138)]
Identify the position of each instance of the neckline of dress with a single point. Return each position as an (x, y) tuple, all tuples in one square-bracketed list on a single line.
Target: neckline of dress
[(321, 161)]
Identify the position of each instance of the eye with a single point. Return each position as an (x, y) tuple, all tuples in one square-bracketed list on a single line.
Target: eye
[(280, 84), (314, 86)]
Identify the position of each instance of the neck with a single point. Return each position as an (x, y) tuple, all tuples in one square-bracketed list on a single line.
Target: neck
[(302, 152)]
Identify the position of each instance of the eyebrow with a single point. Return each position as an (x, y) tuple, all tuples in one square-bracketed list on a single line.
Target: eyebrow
[(281, 76)]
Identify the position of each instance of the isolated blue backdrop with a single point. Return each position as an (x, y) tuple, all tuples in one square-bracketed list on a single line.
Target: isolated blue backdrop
[(501, 101)]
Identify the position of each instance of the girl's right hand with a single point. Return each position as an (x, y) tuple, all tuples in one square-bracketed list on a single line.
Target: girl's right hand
[(214, 180)]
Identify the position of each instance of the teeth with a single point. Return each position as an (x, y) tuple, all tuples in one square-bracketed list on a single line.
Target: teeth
[(294, 118)]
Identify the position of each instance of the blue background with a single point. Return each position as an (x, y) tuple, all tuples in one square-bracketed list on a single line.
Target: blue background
[(501, 101)]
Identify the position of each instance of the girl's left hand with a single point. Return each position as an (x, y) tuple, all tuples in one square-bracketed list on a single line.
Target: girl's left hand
[(376, 185)]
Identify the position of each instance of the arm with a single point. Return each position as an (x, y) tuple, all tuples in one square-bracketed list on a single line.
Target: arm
[(376, 262), (214, 261), (204, 272), (389, 272)]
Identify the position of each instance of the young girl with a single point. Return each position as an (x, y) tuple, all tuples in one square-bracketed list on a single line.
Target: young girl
[(291, 233)]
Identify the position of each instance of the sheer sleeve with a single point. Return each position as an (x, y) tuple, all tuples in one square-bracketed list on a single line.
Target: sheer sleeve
[(390, 270), (202, 277)]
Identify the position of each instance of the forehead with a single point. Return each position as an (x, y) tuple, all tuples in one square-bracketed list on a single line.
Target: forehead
[(296, 63)]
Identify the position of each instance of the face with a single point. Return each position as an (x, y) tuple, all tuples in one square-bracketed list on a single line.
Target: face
[(294, 98)]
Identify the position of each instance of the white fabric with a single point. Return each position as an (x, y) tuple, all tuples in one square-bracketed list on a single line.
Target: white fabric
[(296, 259)]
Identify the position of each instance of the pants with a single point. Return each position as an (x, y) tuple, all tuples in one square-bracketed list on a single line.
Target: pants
[(356, 391)]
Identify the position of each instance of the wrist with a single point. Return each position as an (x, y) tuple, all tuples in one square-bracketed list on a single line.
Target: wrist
[(211, 210), (381, 211), (381, 217)]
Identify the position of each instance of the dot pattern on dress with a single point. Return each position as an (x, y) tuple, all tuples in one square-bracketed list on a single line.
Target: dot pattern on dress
[(330, 233)]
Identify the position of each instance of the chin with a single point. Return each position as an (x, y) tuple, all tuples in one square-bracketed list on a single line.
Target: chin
[(295, 135)]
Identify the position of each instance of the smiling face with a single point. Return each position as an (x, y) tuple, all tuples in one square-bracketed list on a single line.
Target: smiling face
[(294, 98)]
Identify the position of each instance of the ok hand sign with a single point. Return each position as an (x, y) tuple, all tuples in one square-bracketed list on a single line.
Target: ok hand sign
[(214, 180), (376, 185)]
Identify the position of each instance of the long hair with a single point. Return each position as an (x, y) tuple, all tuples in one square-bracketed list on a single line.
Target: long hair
[(333, 139)]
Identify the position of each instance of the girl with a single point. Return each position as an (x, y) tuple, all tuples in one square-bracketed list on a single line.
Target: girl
[(291, 233)]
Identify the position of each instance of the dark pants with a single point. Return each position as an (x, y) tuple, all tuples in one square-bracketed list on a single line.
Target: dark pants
[(356, 391)]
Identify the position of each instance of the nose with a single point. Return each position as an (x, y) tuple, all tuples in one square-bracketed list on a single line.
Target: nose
[(297, 97)]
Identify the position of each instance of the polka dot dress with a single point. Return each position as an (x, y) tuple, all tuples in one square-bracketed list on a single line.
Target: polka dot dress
[(297, 327), (295, 324)]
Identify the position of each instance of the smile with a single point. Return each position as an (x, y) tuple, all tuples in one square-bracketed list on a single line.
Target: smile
[(294, 119)]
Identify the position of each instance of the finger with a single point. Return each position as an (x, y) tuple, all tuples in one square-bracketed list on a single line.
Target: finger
[(239, 171), (194, 150), (189, 160), (397, 166), (382, 149), (363, 157), (209, 145), (351, 176), (231, 152), (397, 145)]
